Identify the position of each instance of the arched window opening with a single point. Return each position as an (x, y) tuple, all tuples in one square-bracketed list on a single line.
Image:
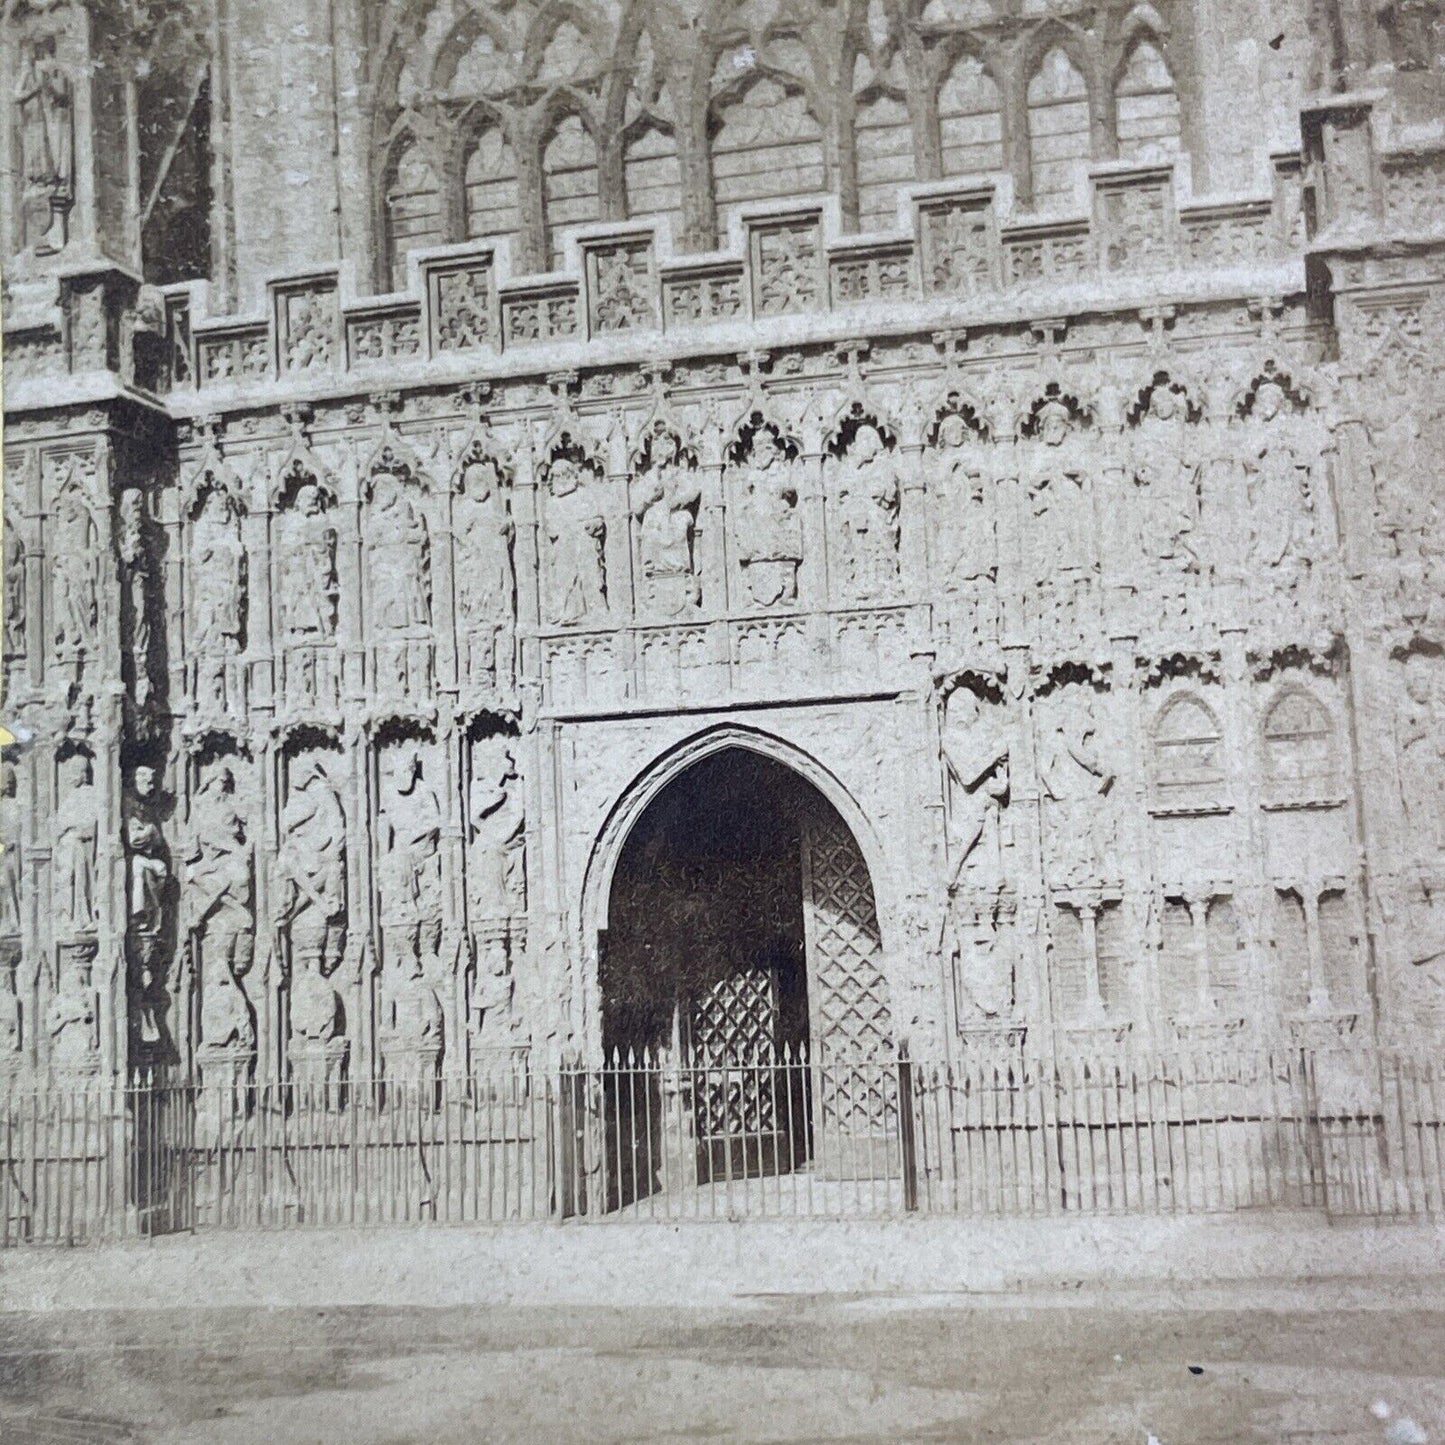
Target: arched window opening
[(413, 201), (767, 146), (490, 185), (885, 159), (1059, 145), (1146, 107), (970, 120), (569, 182), (650, 174), (1299, 746)]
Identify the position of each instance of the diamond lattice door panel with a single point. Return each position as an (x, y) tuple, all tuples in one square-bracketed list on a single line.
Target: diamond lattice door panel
[(857, 1124), (734, 1051)]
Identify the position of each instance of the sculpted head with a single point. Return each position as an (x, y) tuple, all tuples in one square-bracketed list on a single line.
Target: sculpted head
[(143, 780), (867, 443), (1269, 401), (1418, 680), (308, 499), (1055, 423), (951, 431), (563, 477), (1163, 403), (765, 448)]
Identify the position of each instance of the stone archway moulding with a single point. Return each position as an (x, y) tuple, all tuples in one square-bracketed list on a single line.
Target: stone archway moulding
[(645, 786)]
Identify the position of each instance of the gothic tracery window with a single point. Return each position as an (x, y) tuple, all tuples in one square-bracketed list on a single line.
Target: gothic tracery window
[(970, 120), (1059, 138), (569, 182), (1146, 106), (413, 202), (490, 185)]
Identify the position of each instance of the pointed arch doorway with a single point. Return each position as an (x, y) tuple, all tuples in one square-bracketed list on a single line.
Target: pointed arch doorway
[(742, 940)]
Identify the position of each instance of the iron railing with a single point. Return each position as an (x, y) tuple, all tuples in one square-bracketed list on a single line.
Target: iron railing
[(799, 1135)]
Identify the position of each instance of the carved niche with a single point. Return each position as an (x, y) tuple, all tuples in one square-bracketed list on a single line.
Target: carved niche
[(306, 587), (1164, 470), (484, 571), (219, 904), (1078, 768), (1420, 754), (217, 572), (976, 738), (666, 495), (963, 537), (1059, 543), (73, 545), (74, 829), (864, 493), (397, 540), (408, 843), (574, 533), (44, 125), (767, 523), (311, 904)]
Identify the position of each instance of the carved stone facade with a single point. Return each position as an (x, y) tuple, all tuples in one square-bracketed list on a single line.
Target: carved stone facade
[(961, 427)]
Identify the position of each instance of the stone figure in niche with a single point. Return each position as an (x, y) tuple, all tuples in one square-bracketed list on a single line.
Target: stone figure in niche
[(15, 585), (1077, 778), (311, 862), (135, 564), (10, 907), (1278, 487), (868, 500), (769, 530), (398, 548), (226, 1020), (410, 866), (412, 1018), (70, 1016), (75, 577), (307, 573), (220, 878), (967, 526), (1422, 758), (576, 544), (74, 829), (45, 107), (983, 970), (1166, 478), (218, 591), (147, 856), (497, 836), (486, 585), (316, 1016), (666, 506), (976, 757), (1059, 538)]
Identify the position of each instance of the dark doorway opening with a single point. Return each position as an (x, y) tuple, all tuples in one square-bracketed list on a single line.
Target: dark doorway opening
[(704, 977)]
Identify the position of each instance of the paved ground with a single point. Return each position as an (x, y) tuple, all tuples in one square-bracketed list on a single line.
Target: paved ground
[(1089, 1367)]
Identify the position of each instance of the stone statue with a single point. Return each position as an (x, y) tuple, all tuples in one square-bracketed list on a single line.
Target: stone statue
[(1422, 759), (70, 1017), (218, 566), (412, 1020), (219, 895), (147, 856), (967, 531), (11, 916), (1167, 496), (409, 868), (135, 579), (666, 510), (226, 1020), (398, 550), (976, 756), (486, 586), (1278, 487), (576, 535), (75, 576), (15, 593), (307, 572), (75, 830), (1059, 535), (769, 530), (497, 855), (868, 500), (311, 861), (45, 107), (316, 1016), (1076, 778)]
